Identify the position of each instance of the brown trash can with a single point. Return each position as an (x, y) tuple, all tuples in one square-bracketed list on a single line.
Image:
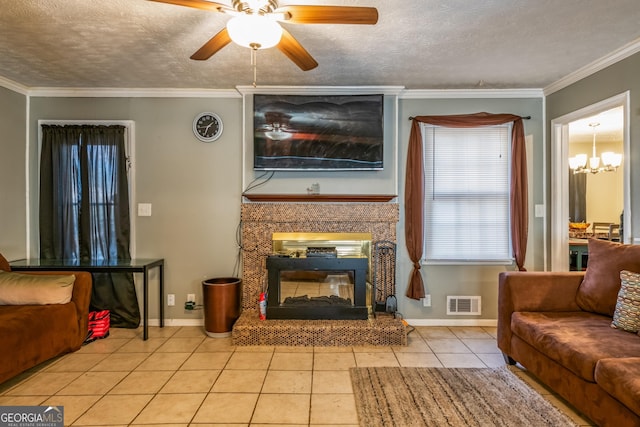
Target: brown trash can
[(221, 300)]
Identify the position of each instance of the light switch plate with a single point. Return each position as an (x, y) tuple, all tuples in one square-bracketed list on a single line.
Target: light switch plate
[(539, 211), (426, 301), (144, 209)]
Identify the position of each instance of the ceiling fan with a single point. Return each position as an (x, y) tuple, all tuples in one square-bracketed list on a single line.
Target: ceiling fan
[(255, 24)]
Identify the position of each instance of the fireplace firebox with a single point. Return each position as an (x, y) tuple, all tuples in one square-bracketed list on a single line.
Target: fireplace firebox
[(319, 276)]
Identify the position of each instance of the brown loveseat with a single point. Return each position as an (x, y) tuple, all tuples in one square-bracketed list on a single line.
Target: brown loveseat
[(559, 327), (33, 333)]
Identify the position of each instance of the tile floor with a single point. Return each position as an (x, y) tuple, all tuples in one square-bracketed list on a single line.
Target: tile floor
[(180, 377)]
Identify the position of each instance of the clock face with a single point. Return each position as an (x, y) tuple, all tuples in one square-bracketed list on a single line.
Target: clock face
[(207, 127)]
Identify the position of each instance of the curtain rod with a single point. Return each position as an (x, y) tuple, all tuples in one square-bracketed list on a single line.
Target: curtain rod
[(522, 117)]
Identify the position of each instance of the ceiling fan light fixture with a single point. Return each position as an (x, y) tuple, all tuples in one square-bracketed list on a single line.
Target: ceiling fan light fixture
[(254, 31)]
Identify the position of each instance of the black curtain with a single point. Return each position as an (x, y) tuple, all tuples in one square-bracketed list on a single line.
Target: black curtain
[(577, 197), (84, 209)]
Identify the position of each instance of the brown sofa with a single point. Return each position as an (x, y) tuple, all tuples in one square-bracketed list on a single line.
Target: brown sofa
[(32, 334), (559, 327)]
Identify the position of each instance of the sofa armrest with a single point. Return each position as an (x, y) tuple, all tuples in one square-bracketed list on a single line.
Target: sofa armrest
[(81, 297), (533, 291)]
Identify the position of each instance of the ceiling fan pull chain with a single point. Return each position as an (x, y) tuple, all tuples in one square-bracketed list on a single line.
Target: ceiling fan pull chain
[(254, 63)]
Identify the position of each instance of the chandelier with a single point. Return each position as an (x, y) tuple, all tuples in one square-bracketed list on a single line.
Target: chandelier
[(610, 160)]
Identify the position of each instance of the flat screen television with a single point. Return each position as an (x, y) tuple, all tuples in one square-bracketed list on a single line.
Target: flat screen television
[(318, 132)]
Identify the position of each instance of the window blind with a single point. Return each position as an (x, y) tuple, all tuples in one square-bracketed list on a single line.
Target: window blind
[(466, 193)]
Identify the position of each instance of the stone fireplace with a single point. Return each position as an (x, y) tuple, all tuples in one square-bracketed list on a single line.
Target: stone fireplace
[(260, 221)]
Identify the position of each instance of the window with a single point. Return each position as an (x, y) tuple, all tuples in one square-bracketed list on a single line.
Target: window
[(84, 206), (466, 211)]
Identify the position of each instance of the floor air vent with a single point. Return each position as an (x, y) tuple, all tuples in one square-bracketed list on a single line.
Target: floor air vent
[(460, 305)]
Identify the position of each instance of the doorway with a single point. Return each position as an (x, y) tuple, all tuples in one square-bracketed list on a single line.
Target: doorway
[(561, 135)]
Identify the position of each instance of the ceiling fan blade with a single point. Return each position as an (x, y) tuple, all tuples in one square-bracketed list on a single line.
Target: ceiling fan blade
[(198, 4), (216, 43), (295, 52), (329, 14)]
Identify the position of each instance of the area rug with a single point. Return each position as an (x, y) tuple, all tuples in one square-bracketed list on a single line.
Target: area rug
[(439, 397)]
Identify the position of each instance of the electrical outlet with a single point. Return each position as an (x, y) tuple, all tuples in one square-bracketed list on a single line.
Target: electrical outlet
[(191, 297), (171, 300), (426, 301)]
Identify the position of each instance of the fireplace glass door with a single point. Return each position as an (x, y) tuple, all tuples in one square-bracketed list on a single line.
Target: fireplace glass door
[(316, 288)]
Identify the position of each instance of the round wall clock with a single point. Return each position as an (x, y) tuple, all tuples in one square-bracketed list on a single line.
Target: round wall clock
[(207, 127)]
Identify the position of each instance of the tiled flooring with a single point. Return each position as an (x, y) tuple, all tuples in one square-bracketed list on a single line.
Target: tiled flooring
[(181, 377)]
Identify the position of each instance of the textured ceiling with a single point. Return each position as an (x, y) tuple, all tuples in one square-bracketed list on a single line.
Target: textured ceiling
[(418, 44)]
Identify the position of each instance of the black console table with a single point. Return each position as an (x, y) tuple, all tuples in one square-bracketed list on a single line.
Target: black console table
[(139, 265)]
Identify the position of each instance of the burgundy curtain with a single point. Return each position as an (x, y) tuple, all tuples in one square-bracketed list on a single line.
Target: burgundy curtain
[(414, 187)]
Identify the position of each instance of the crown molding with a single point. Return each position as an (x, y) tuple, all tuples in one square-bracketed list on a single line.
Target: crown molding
[(130, 93), (320, 90), (11, 85), (471, 93), (598, 65)]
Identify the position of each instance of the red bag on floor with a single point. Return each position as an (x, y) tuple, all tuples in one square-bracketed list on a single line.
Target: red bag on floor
[(98, 325)]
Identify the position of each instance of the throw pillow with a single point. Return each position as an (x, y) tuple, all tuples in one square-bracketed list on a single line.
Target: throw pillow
[(627, 314), (35, 289), (598, 292)]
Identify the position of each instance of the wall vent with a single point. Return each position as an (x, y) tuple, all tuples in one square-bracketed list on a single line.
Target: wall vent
[(463, 305)]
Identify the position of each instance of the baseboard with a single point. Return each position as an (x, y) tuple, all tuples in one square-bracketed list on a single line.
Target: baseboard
[(177, 322), (453, 322), (412, 322)]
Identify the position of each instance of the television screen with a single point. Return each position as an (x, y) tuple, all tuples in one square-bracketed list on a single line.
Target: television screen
[(317, 132)]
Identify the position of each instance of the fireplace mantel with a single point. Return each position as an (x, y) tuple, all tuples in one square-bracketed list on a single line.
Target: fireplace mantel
[(353, 198)]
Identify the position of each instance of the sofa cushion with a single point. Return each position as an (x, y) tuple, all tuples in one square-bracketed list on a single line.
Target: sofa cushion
[(35, 289), (621, 379), (31, 334), (576, 340), (598, 292), (627, 314)]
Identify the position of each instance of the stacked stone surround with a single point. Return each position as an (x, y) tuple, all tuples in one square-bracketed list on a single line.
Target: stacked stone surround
[(260, 221)]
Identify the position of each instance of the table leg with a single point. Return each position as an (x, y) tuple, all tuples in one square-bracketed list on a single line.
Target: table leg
[(145, 304), (161, 286)]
